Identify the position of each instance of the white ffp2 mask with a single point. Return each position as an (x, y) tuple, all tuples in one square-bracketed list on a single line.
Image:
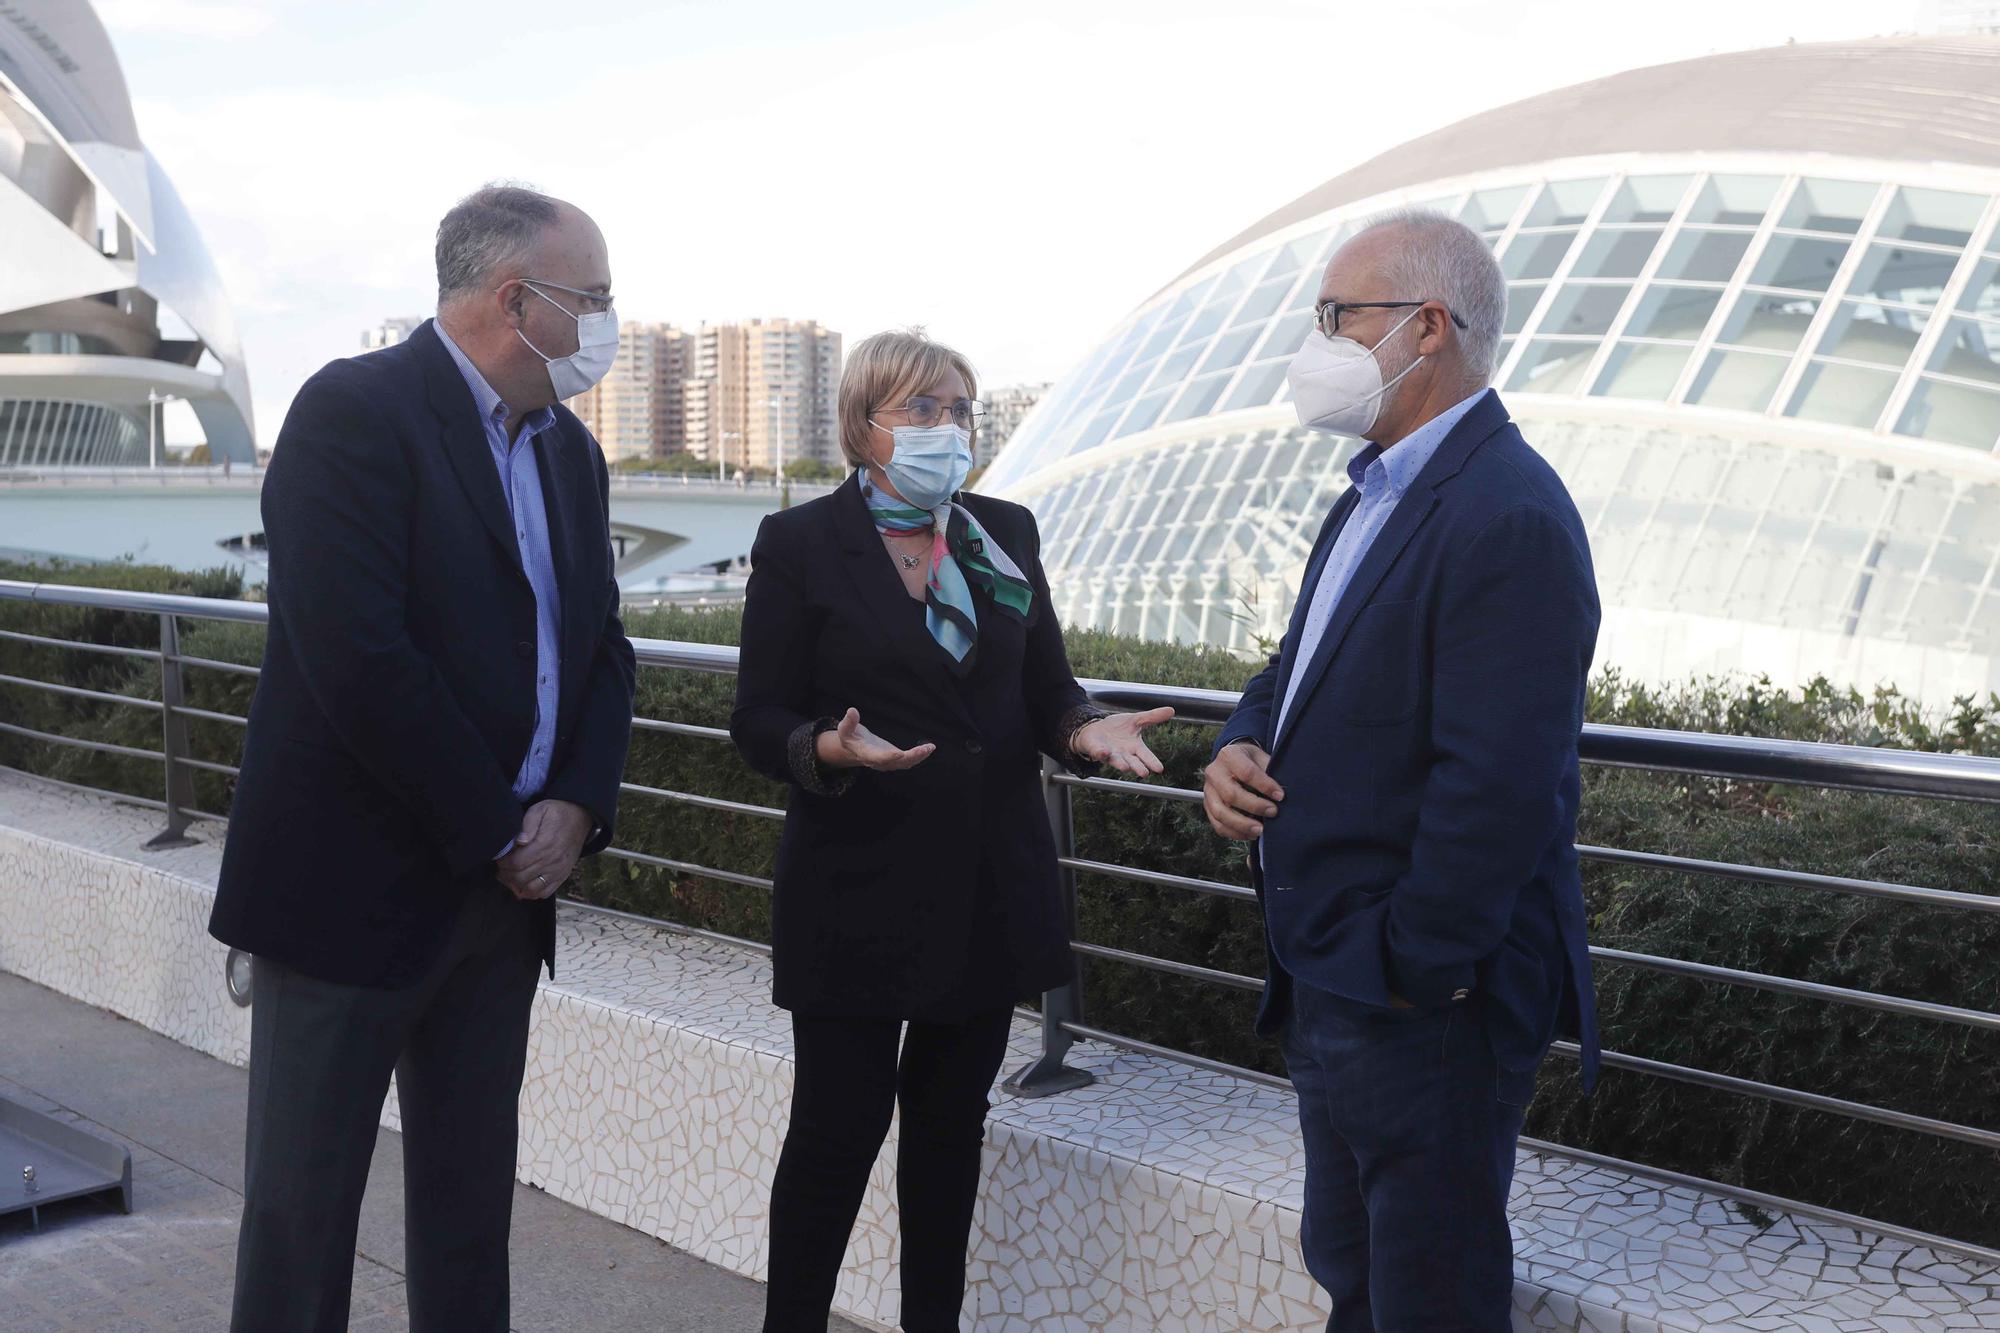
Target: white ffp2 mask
[(1337, 383)]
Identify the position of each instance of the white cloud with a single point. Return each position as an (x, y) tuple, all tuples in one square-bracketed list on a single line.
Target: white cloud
[(1016, 176), (189, 18)]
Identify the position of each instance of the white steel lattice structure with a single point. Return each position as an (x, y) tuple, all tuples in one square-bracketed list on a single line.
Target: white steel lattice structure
[(95, 248), (1754, 321)]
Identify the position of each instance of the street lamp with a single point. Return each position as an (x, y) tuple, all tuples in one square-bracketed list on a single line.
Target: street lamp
[(778, 403)]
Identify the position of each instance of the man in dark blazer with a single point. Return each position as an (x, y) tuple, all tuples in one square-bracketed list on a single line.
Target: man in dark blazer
[(437, 737), (1407, 768)]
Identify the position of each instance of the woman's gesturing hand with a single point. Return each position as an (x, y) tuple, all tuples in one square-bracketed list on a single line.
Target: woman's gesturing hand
[(851, 745), (1119, 741)]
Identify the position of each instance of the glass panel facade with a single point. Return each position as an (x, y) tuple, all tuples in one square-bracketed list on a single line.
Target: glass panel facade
[(1767, 321), (1673, 312), (1969, 349), (1642, 370), (1647, 199), (1848, 303), (1800, 263), (1552, 367), (1738, 201), (1564, 203), (1829, 205), (1953, 413), (1230, 348), (1253, 312), (1864, 331), (1489, 211), (1258, 385), (1616, 254), (1704, 256), (1842, 395), (1982, 290), (1581, 308), (1521, 299), (1742, 380), (1934, 217), (41, 433), (1536, 254), (1903, 274)]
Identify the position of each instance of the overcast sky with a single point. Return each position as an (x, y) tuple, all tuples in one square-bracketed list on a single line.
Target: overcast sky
[(1014, 174)]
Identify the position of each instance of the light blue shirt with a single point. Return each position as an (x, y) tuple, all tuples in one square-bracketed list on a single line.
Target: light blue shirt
[(521, 483), (1382, 476)]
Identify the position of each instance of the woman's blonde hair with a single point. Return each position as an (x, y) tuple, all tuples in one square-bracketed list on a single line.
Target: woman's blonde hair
[(882, 373)]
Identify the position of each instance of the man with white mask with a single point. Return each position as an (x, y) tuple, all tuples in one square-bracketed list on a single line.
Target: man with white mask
[(1407, 769), (437, 737)]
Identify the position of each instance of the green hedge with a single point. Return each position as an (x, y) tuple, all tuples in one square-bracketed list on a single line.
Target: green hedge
[(1938, 1070)]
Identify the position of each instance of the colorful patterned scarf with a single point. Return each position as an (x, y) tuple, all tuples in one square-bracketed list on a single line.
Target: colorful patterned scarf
[(961, 555)]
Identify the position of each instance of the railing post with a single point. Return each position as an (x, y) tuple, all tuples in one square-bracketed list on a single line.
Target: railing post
[(1048, 1074), (173, 724)]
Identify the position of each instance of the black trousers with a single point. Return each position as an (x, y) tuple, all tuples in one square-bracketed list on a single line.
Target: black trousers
[(849, 1079), (321, 1055)]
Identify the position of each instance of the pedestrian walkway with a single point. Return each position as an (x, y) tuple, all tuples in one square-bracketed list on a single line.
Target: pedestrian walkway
[(170, 1264)]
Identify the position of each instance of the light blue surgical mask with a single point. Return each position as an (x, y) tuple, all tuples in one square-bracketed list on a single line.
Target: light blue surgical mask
[(930, 463)]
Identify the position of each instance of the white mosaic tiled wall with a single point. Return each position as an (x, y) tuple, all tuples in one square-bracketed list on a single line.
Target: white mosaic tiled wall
[(1161, 1198), (85, 910)]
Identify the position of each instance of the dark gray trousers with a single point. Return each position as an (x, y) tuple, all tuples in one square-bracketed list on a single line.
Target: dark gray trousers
[(321, 1055)]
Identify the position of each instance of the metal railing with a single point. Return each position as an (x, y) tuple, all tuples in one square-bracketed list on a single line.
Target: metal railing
[(1852, 768)]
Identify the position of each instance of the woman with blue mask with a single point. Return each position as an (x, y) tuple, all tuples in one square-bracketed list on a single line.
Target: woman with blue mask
[(903, 671)]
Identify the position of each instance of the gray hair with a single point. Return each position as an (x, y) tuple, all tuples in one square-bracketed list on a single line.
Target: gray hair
[(1442, 259), (494, 225)]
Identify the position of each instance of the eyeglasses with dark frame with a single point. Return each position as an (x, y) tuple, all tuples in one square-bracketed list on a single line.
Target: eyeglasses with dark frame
[(1327, 314), (926, 411)]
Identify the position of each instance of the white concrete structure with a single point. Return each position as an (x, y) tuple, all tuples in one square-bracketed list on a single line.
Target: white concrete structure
[(109, 302), (1754, 321)]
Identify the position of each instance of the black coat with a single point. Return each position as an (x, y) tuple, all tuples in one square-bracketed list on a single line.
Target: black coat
[(398, 694), (929, 893)]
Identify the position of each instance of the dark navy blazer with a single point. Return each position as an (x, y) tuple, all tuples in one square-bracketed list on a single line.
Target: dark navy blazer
[(1427, 842), (398, 695)]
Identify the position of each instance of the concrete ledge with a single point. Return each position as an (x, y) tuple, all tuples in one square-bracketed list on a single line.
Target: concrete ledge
[(1162, 1198)]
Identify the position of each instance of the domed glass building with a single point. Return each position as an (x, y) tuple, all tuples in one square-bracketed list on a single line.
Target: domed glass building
[(109, 302), (1753, 320)]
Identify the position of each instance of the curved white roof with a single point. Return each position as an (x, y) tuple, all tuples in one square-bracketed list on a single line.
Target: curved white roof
[(57, 62), (1922, 99)]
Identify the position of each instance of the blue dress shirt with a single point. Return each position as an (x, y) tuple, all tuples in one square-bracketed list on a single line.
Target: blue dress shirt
[(521, 483), (1382, 476)]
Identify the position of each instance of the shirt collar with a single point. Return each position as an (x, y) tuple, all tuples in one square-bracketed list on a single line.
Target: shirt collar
[(491, 408), (1398, 467)]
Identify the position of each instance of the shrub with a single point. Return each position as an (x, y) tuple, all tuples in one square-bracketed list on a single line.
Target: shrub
[(1946, 956)]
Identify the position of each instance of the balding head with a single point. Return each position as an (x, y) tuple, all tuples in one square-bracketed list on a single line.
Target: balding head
[(1431, 307), (1422, 255), (495, 234), (516, 269)]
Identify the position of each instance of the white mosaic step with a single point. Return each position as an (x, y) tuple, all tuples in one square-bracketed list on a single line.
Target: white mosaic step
[(1160, 1198)]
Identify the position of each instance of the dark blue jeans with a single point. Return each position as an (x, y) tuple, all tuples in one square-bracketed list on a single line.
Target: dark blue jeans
[(1409, 1135)]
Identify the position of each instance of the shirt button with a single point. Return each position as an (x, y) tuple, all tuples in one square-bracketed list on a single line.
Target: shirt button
[(974, 747), (524, 649)]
